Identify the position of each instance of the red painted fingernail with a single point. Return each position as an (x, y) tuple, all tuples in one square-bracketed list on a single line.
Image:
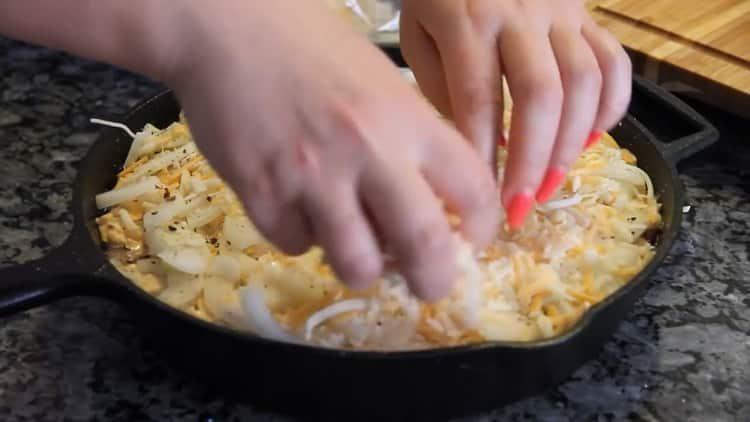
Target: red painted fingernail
[(593, 139), (518, 209), (551, 182)]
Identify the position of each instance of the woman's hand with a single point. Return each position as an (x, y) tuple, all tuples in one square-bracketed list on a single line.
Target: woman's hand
[(569, 80), (325, 143)]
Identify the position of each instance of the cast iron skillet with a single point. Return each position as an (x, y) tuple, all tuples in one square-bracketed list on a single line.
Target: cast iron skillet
[(305, 380)]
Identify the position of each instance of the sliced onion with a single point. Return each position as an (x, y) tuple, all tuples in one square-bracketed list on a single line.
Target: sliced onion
[(472, 286), (197, 184), (186, 260), (163, 160), (159, 240), (185, 182), (164, 213), (259, 316), (127, 193), (561, 203), (213, 184), (240, 232), (350, 305), (139, 141), (181, 290), (128, 224), (576, 183), (222, 301), (226, 267), (545, 325), (149, 266), (202, 216)]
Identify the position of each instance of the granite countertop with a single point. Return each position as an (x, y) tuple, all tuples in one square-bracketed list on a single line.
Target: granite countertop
[(682, 354)]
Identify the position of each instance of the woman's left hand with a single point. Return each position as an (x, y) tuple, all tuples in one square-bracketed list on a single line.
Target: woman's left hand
[(570, 80)]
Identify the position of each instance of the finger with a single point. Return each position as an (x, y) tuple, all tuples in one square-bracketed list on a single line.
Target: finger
[(535, 86), (414, 226), (422, 56), (472, 73), (616, 69), (581, 80), (283, 224), (340, 227), (457, 175), (292, 232)]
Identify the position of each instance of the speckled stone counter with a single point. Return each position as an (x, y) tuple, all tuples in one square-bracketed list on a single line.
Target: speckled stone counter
[(682, 355)]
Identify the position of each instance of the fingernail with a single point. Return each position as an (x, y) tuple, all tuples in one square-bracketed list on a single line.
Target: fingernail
[(549, 186), (518, 209), (593, 139)]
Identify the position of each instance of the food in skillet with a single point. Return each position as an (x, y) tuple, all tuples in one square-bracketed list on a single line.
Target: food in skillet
[(179, 233)]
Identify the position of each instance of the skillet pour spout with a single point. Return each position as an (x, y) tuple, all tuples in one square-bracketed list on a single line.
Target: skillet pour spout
[(355, 385)]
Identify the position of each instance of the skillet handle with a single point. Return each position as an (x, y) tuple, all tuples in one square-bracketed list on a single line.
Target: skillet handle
[(59, 274), (684, 134)]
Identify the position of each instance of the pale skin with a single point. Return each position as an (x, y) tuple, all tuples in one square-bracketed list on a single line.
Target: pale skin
[(325, 143)]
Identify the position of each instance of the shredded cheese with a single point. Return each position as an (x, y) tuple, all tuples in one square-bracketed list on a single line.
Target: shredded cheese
[(181, 234)]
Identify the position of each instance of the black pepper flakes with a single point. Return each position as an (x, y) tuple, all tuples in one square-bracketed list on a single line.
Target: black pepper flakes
[(166, 193), (154, 212), (214, 241), (172, 228), (209, 198)]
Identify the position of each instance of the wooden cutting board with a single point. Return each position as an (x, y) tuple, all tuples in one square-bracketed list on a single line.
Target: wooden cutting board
[(700, 47)]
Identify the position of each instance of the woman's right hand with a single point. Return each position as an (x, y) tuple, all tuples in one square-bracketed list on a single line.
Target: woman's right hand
[(324, 142)]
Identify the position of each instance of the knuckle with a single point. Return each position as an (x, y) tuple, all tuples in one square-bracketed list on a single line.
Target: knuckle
[(346, 124), (546, 93), (482, 16), (475, 98), (296, 168), (585, 77), (622, 60), (613, 56), (613, 109), (615, 105)]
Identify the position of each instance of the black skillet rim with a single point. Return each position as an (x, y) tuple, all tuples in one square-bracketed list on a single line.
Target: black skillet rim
[(662, 249)]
